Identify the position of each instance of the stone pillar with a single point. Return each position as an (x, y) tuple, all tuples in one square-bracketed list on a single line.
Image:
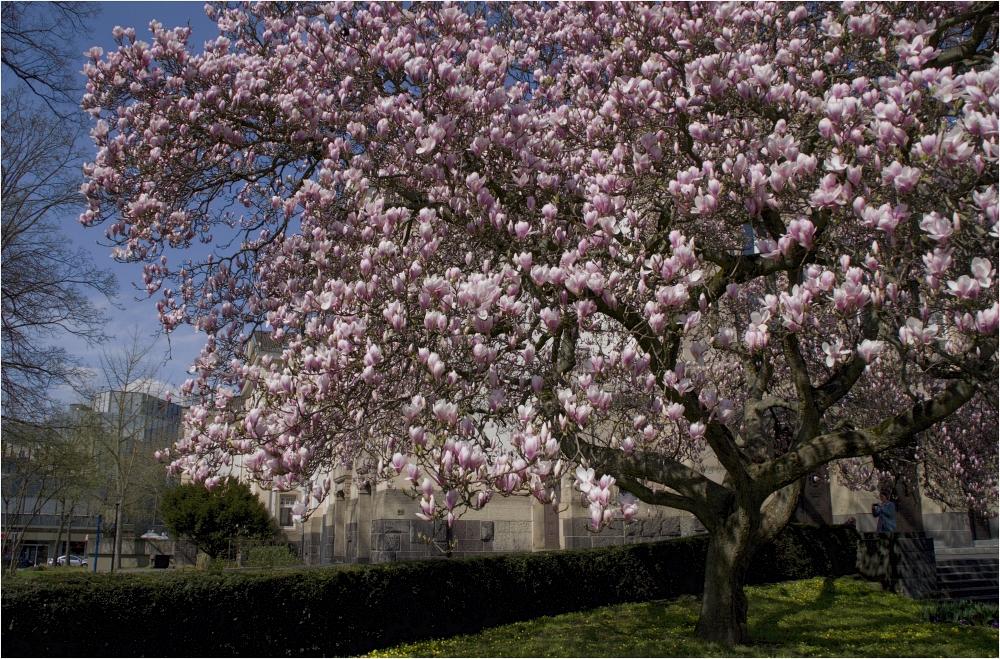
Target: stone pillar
[(324, 550), (537, 525), (364, 524), (339, 528)]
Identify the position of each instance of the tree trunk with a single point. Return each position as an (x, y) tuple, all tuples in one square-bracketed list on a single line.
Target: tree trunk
[(69, 536), (723, 617), (62, 518), (116, 551)]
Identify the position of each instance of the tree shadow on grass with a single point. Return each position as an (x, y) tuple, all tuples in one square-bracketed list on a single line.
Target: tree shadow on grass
[(767, 630)]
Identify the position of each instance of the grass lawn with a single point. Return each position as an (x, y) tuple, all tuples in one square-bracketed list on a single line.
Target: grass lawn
[(48, 572), (819, 617)]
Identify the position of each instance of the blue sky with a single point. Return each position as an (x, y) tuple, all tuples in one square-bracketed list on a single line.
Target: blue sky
[(184, 344)]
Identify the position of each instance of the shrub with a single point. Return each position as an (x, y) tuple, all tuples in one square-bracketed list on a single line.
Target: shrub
[(978, 614), (271, 556), (354, 609), (213, 519)]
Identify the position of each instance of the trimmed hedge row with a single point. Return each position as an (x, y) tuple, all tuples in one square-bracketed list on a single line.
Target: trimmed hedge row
[(355, 609)]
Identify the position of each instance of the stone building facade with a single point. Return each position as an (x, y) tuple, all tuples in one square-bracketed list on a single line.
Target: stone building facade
[(359, 525)]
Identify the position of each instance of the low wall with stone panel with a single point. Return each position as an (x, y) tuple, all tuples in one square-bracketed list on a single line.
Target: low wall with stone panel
[(902, 562)]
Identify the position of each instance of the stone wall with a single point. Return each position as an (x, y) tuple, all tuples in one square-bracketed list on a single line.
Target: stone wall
[(577, 535), (402, 540), (902, 562), (351, 541)]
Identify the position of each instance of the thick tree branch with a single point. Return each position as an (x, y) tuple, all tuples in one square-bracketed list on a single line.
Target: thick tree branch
[(777, 510), (850, 443), (844, 378)]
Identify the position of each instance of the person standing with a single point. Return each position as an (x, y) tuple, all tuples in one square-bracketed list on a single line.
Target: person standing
[(885, 512)]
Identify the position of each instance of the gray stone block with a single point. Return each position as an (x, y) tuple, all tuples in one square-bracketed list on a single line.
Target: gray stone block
[(486, 531), (505, 543), (521, 530), (650, 527), (923, 570), (579, 542), (466, 530), (608, 540), (911, 544), (691, 526), (418, 528), (383, 557), (440, 531), (670, 527), (391, 542), (396, 525), (469, 545), (376, 526)]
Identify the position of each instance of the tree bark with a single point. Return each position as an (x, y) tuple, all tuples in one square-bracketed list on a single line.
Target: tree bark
[(116, 551), (62, 518), (723, 617)]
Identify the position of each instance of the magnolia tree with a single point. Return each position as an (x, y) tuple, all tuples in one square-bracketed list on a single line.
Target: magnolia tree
[(500, 244)]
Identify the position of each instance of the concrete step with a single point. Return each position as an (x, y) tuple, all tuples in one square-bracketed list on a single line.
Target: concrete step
[(968, 552), (979, 595), (969, 583), (985, 568), (966, 573), (969, 573), (947, 575), (968, 565), (959, 575)]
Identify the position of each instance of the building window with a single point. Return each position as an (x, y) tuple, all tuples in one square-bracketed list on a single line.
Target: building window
[(285, 510)]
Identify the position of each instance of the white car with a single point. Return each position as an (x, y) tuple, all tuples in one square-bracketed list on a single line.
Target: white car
[(74, 561)]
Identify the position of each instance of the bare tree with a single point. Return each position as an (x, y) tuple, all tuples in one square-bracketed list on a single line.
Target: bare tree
[(38, 47), (130, 419), (47, 283), (43, 464)]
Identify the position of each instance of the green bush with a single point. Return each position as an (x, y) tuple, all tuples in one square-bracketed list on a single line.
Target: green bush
[(977, 614), (212, 520), (271, 556), (354, 609)]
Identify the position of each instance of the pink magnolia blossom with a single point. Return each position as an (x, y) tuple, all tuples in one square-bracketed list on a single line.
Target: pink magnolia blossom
[(937, 227), (869, 350)]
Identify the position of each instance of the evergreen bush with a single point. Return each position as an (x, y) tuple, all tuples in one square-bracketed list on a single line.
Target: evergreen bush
[(354, 609)]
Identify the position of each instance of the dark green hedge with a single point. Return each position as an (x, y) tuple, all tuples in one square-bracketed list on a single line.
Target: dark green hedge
[(352, 610)]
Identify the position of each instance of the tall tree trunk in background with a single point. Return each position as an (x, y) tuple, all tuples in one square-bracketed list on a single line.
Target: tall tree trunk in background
[(116, 552), (62, 518), (69, 536)]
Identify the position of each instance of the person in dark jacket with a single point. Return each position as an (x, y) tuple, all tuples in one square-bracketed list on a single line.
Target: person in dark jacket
[(885, 512)]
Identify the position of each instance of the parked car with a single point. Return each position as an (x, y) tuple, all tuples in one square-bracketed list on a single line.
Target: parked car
[(21, 562), (74, 561)]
